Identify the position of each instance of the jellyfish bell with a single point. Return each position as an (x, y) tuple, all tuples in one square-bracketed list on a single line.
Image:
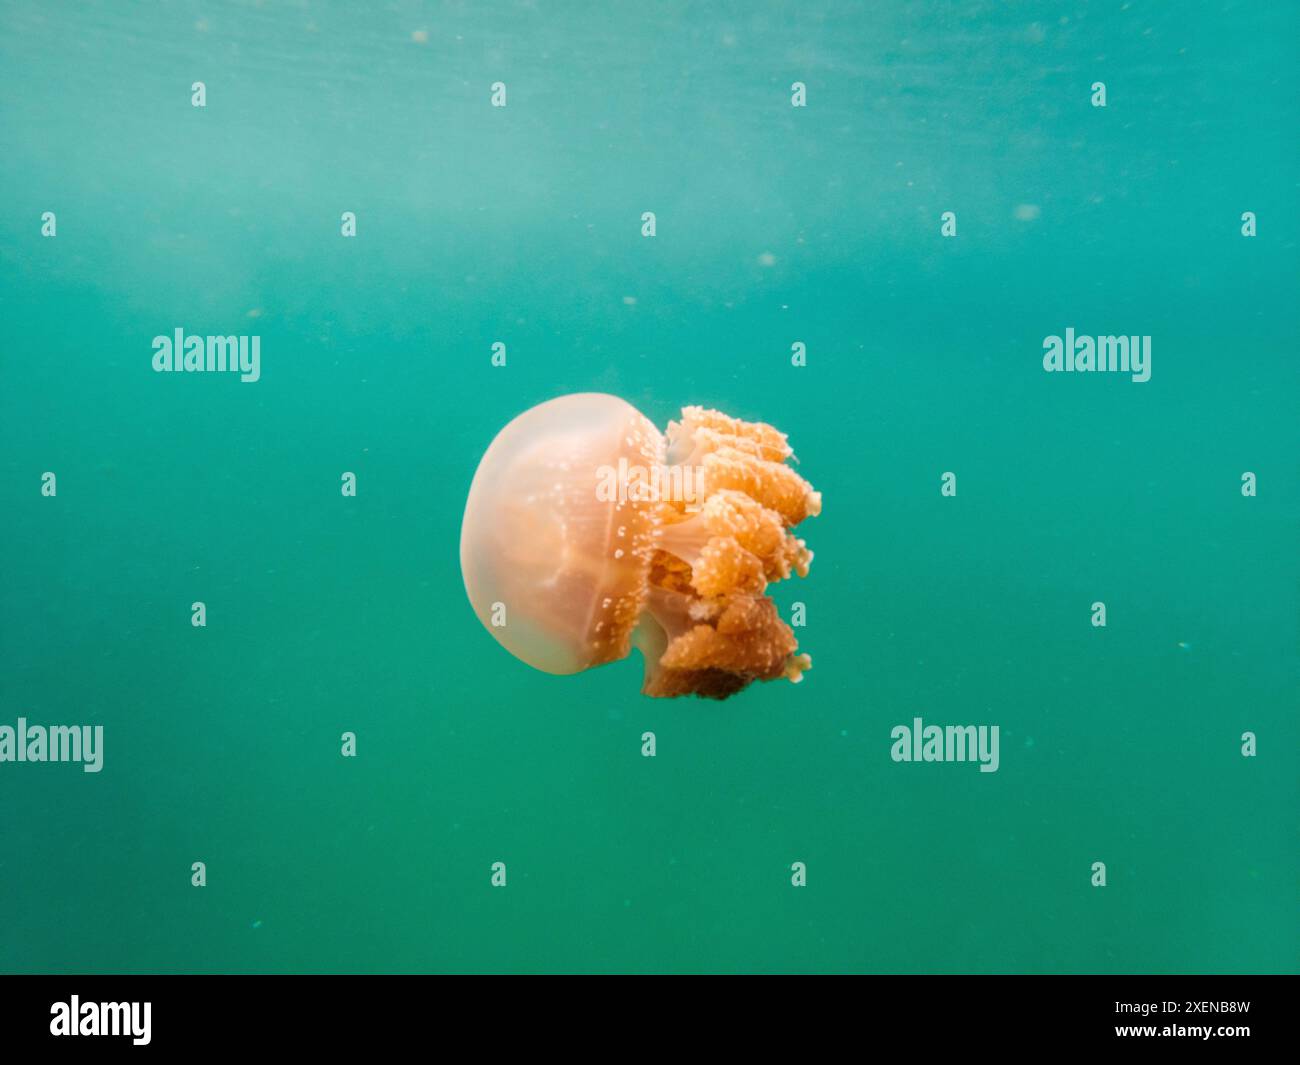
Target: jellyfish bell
[(568, 565), (587, 531)]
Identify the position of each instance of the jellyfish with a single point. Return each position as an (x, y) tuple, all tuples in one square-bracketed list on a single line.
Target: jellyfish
[(588, 532)]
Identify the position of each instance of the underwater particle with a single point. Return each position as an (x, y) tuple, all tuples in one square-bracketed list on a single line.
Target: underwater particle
[(1027, 212), (588, 532), (629, 301), (766, 259), (257, 923), (420, 36)]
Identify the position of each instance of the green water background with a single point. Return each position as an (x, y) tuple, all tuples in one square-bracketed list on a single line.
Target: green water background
[(522, 225)]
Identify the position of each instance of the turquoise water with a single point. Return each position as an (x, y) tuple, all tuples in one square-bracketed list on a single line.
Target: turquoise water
[(775, 225)]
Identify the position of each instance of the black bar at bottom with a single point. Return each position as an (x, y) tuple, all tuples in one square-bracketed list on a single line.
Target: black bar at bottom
[(345, 1014)]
